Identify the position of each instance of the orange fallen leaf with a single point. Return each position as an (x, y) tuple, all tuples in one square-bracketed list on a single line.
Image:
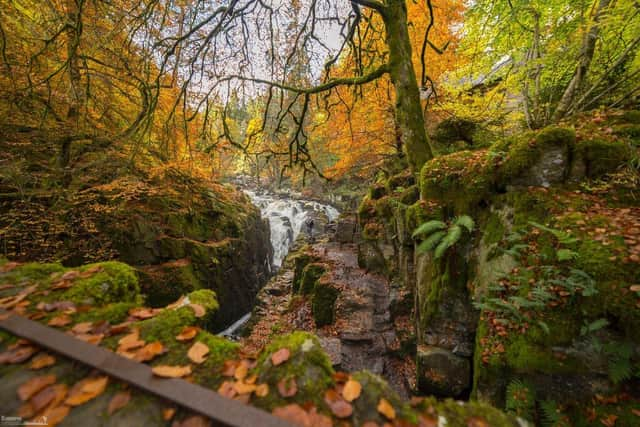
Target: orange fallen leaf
[(42, 361), (198, 310), (195, 421), (229, 368), (130, 341), (61, 320), (287, 387), (188, 333), (385, 408), (86, 390), (56, 415), (176, 304), (70, 275), (34, 385), (227, 389), (168, 413), (82, 327), (351, 390), (94, 339), (149, 351), (167, 371), (262, 390), (280, 356), (244, 388), (142, 313), (198, 352), (339, 407), (319, 420), (18, 354), (119, 401), (241, 371), (48, 397), (293, 413)]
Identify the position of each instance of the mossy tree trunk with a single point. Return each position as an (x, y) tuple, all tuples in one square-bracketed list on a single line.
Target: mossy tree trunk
[(408, 109)]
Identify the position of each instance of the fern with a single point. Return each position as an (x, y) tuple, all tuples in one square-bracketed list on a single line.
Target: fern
[(620, 367), (566, 255), (429, 227), (521, 399), (465, 221), (452, 237), (551, 414), (431, 242)]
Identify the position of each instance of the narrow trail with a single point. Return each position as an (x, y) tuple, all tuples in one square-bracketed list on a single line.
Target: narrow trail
[(363, 335)]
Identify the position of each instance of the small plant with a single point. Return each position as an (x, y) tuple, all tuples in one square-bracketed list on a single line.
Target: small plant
[(440, 236), (521, 399), (562, 254)]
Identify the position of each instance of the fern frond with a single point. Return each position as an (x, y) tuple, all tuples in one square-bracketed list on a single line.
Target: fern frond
[(450, 239), (551, 414), (429, 227), (465, 221), (431, 242)]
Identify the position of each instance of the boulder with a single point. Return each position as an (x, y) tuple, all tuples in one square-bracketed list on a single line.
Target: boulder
[(442, 373)]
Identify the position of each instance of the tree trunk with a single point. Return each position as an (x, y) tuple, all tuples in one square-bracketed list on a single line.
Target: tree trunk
[(584, 62), (408, 109)]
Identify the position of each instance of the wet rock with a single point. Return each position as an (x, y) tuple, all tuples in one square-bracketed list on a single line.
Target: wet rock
[(345, 230), (442, 373), (333, 347)]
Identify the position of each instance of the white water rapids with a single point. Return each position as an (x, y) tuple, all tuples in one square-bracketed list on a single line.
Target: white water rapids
[(286, 217)]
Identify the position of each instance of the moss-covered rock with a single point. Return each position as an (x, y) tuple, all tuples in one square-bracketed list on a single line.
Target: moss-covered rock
[(377, 191), (603, 156), (402, 180), (323, 301), (308, 366), (310, 275), (366, 210)]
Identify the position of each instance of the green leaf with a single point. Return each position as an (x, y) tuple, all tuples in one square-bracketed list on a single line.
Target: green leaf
[(451, 238), (431, 242), (566, 255), (429, 227)]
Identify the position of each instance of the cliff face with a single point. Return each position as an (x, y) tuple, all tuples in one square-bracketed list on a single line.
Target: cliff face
[(181, 232), (538, 305)]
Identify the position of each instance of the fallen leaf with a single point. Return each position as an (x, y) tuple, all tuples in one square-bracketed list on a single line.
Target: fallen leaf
[(195, 421), (198, 310), (34, 385), (82, 328), (229, 368), (48, 396), (168, 413), (319, 420), (385, 408), (280, 356), (56, 415), (130, 341), (241, 371), (609, 420), (177, 304), (262, 390), (70, 275), (142, 313), (351, 390), (477, 422), (167, 371), (94, 339), (119, 401), (227, 389), (149, 351), (42, 361), (244, 388), (287, 387), (61, 320), (18, 354), (339, 407), (86, 390), (188, 333), (293, 413), (198, 352)]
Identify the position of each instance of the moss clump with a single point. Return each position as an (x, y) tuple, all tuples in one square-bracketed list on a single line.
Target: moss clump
[(113, 313), (494, 229), (632, 116), (523, 356), (366, 210), (308, 366), (300, 261), (420, 212), (523, 151), (114, 282), (460, 180), (410, 196), (602, 157), (373, 231), (454, 129), (375, 388), (402, 180), (310, 275), (323, 303), (468, 413), (377, 191), (384, 207)]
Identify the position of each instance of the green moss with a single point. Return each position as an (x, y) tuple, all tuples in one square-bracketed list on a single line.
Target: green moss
[(460, 180), (375, 388), (308, 366), (115, 282), (323, 303), (113, 313), (524, 357), (32, 272), (402, 180), (494, 229), (366, 210), (420, 212), (627, 130), (410, 196), (310, 275), (469, 413), (454, 129), (602, 156), (632, 116), (373, 231), (300, 261), (377, 191), (384, 207), (523, 151)]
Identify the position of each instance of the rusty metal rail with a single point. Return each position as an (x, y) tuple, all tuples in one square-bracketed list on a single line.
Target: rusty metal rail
[(222, 411)]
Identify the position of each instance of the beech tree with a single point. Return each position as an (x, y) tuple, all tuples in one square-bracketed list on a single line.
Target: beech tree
[(233, 46)]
